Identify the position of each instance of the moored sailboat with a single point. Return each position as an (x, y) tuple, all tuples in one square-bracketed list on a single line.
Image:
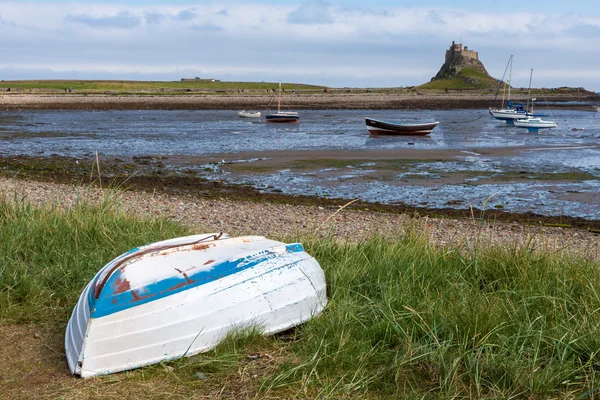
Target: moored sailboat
[(282, 116), (514, 111), (533, 124)]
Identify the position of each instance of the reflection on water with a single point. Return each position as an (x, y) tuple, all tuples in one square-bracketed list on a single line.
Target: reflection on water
[(574, 149)]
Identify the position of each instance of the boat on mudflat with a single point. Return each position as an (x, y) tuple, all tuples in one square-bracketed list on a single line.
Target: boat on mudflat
[(182, 296), (249, 114), (379, 127), (282, 116), (534, 124)]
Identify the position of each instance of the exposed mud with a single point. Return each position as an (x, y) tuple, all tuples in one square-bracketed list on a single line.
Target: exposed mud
[(152, 175)]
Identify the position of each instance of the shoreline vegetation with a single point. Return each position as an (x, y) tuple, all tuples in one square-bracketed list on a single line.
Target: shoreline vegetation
[(417, 307)]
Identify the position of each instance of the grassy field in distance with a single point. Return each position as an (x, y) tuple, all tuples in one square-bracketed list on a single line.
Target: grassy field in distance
[(134, 86)]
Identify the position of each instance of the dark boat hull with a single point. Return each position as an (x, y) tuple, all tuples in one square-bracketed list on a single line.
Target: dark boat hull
[(378, 127), (282, 118)]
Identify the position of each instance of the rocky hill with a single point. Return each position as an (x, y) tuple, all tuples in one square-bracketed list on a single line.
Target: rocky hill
[(461, 70)]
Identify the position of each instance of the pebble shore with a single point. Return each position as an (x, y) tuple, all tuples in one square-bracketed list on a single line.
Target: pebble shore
[(302, 101), (284, 221)]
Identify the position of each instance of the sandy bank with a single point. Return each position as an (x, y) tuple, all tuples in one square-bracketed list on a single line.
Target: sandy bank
[(399, 101)]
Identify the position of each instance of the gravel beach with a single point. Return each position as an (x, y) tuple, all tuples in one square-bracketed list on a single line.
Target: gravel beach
[(285, 221), (404, 100)]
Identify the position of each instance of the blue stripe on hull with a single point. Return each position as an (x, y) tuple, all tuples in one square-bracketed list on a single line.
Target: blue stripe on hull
[(112, 300)]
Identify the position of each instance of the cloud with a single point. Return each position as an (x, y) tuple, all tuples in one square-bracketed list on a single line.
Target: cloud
[(223, 12), (206, 28), (154, 18), (123, 20), (314, 12), (185, 15)]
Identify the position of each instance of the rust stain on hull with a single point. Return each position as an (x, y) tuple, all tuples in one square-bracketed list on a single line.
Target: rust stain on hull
[(121, 285)]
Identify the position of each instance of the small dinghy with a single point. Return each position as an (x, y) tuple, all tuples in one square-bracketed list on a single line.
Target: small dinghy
[(182, 296), (378, 127), (249, 114)]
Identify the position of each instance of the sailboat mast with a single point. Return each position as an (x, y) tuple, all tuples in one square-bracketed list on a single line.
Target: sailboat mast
[(279, 97), (529, 90), (509, 78)]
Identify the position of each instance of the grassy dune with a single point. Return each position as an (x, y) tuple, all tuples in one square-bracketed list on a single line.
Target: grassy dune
[(405, 319)]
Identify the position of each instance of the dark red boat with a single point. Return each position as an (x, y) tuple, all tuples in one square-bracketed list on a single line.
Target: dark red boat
[(378, 127)]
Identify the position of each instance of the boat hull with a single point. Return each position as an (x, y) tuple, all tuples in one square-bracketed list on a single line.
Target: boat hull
[(534, 124), (285, 119), (246, 114), (508, 115), (172, 303), (378, 127)]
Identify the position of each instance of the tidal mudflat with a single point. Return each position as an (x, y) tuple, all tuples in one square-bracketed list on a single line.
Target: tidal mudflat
[(470, 160)]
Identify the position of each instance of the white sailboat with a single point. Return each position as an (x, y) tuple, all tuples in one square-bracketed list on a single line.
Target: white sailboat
[(533, 124), (508, 114)]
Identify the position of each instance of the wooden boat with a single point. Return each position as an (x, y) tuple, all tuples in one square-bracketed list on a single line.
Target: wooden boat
[(282, 116), (249, 114), (179, 297), (378, 127)]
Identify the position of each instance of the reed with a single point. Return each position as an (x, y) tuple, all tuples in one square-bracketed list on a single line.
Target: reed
[(404, 319)]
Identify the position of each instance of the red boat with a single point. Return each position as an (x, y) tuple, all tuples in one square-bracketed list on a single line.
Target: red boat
[(378, 127)]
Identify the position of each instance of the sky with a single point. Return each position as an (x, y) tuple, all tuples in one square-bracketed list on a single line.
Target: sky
[(350, 43)]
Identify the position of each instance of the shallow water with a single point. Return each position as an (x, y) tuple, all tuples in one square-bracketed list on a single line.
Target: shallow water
[(196, 133)]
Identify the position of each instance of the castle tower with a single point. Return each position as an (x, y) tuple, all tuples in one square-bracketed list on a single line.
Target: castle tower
[(457, 58)]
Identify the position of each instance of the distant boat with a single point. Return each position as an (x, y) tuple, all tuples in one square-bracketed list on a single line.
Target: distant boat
[(180, 297), (282, 116), (378, 127), (598, 108), (249, 114), (516, 110), (533, 124)]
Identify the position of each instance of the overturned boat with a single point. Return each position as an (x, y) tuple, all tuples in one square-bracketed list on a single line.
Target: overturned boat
[(182, 296)]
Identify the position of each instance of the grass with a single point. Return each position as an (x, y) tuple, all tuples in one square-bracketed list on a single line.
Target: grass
[(461, 81), (405, 319), (133, 87)]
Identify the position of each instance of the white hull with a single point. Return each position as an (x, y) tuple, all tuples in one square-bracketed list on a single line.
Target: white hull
[(249, 114), (534, 124), (273, 286), (507, 115)]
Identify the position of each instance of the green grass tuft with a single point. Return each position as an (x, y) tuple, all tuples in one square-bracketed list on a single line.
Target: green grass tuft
[(48, 255)]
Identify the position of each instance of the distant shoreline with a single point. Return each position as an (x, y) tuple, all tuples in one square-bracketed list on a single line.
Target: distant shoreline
[(302, 101)]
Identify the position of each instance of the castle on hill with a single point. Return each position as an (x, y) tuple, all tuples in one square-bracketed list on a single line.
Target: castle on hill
[(457, 58), (457, 50)]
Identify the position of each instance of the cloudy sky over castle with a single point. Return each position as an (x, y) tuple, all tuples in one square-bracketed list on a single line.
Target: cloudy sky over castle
[(334, 43)]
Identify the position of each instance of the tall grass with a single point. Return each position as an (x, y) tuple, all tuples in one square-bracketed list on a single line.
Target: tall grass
[(47, 255), (404, 319)]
